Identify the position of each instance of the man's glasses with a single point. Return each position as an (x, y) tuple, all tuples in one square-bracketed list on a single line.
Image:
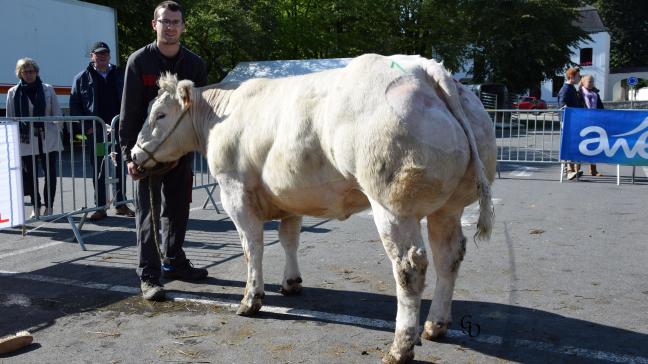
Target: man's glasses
[(28, 72), (169, 23)]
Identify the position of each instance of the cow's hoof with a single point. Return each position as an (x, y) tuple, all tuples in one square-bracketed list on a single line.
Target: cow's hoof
[(406, 357), (292, 287), (434, 330), (249, 309)]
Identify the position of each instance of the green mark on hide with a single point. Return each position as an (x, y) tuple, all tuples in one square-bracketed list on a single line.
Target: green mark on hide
[(396, 65)]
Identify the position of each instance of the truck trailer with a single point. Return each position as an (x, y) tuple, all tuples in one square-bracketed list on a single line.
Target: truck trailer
[(58, 35)]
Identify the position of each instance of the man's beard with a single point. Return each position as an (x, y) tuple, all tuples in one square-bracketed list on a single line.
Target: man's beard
[(170, 41)]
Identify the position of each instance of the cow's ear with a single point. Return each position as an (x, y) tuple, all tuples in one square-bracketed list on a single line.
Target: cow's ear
[(184, 92)]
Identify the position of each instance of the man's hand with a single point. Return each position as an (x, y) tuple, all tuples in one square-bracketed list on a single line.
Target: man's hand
[(132, 170)]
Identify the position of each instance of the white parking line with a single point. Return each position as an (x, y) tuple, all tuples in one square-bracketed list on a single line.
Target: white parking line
[(51, 244), (345, 319), (524, 171), (32, 249)]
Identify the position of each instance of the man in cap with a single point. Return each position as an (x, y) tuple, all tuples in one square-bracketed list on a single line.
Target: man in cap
[(97, 91)]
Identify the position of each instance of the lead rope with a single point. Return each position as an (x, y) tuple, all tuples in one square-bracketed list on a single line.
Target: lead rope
[(156, 239)]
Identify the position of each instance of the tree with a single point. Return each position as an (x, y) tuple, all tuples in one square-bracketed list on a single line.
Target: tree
[(518, 42), (521, 43), (133, 24), (627, 21), (227, 32)]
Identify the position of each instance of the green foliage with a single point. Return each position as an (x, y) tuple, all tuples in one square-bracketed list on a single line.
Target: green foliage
[(227, 32), (627, 21), (521, 43), (133, 24), (518, 42)]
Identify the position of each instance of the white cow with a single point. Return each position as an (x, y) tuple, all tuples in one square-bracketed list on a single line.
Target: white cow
[(396, 134)]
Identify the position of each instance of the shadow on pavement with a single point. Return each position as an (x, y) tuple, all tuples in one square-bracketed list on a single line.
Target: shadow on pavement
[(505, 331), (36, 300)]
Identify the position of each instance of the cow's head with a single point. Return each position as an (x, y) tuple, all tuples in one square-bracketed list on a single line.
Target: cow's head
[(168, 133)]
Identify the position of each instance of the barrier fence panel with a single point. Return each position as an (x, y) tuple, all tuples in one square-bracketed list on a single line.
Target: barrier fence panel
[(531, 136), (59, 157), (67, 179)]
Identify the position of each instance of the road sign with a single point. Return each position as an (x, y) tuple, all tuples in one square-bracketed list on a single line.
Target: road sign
[(632, 81)]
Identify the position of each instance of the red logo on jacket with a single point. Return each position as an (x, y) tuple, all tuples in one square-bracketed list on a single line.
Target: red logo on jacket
[(149, 79)]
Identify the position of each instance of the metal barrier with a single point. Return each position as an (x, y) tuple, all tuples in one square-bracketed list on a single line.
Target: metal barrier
[(84, 144), (62, 149), (531, 136)]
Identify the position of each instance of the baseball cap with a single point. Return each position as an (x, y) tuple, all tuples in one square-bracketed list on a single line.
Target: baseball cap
[(100, 47)]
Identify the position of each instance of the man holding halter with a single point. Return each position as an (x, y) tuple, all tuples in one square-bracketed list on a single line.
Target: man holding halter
[(169, 193)]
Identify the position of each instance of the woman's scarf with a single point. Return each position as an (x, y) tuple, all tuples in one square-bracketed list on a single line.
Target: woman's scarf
[(25, 93), (591, 97)]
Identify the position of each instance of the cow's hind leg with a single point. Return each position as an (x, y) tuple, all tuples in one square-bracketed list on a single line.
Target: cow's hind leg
[(401, 237), (239, 206), (448, 249), (289, 237)]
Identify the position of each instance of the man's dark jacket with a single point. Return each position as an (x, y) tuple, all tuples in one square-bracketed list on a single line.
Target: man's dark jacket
[(144, 68), (92, 95), (567, 96)]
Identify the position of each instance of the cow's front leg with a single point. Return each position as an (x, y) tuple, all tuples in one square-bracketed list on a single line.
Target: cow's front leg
[(448, 248), (289, 237), (239, 206), (401, 237)]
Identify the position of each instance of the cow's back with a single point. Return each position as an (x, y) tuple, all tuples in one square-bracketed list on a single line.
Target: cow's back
[(316, 144)]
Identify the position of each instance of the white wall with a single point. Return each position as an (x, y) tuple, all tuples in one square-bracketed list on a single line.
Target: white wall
[(600, 67)]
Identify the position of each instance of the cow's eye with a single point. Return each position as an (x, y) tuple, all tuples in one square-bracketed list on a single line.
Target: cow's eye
[(160, 116)]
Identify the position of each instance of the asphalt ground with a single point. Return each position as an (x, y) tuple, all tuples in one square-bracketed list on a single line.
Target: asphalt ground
[(563, 280)]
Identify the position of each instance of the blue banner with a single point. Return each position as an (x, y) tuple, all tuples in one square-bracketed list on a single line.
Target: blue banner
[(605, 136)]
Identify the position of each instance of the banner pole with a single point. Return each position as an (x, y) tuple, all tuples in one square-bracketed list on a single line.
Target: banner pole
[(618, 174)]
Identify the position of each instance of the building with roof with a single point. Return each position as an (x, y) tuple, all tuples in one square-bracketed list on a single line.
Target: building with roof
[(592, 56)]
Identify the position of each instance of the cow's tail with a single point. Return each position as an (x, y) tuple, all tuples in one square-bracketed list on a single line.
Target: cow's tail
[(447, 88)]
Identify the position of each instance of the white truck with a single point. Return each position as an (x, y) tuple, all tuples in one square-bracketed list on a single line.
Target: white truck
[(58, 35)]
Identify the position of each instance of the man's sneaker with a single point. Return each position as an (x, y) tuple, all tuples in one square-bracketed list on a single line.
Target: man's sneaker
[(152, 290), (183, 272)]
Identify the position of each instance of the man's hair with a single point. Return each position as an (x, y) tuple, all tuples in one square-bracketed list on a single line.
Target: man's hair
[(571, 72), (168, 4), (24, 62)]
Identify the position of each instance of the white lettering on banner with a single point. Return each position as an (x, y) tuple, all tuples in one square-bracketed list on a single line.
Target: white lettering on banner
[(601, 142)]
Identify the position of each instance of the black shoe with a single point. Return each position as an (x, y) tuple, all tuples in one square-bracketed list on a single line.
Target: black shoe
[(152, 290), (184, 272)]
